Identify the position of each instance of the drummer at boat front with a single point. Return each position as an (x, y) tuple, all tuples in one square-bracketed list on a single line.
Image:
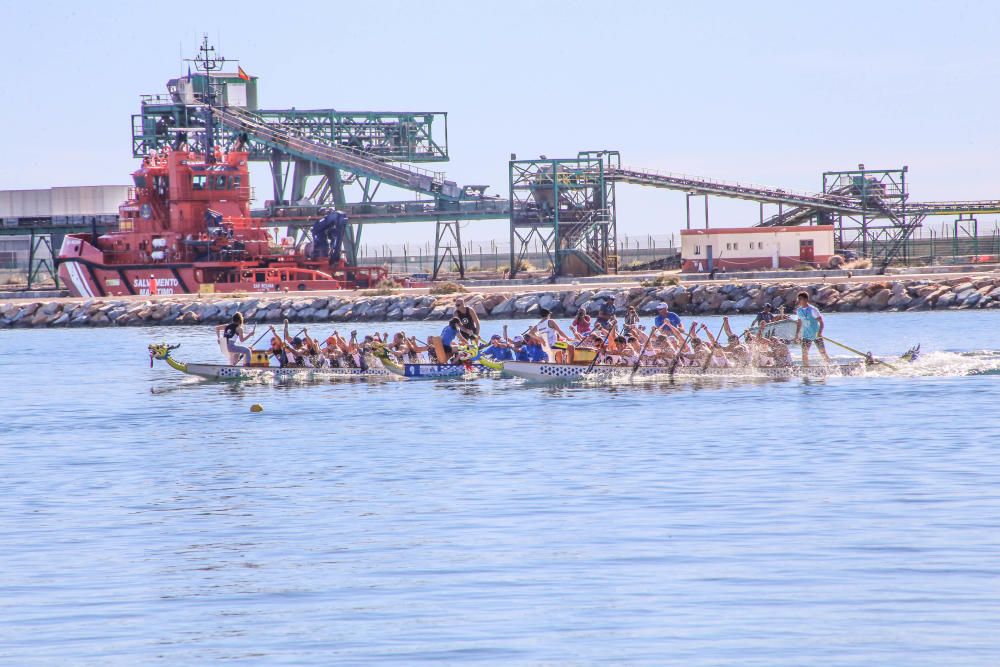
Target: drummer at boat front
[(468, 321), (233, 331), (809, 329), (549, 328)]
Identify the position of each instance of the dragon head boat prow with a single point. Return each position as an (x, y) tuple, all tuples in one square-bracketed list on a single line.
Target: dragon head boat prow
[(161, 351)]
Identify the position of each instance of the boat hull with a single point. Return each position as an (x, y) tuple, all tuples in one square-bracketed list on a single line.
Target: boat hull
[(85, 273), (568, 373), (224, 372), (435, 371)]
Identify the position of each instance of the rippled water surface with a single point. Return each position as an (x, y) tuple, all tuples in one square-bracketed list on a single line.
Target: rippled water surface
[(148, 517)]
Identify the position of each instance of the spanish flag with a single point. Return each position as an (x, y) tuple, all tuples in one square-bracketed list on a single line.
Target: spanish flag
[(243, 75)]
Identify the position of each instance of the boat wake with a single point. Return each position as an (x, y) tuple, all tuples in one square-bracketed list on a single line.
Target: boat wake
[(946, 364)]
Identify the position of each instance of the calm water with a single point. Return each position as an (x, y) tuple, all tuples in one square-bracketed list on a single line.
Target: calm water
[(150, 518)]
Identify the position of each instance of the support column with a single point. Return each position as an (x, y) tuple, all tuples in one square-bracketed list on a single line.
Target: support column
[(442, 251)]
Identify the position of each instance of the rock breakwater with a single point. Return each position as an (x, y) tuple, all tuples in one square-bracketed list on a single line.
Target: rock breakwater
[(705, 298)]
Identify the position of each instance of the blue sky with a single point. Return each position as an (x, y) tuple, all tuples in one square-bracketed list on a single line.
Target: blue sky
[(771, 93)]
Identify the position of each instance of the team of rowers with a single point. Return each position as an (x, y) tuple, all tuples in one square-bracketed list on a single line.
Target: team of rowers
[(601, 339)]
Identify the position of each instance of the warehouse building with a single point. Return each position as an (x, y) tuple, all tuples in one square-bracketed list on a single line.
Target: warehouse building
[(50, 213), (755, 248)]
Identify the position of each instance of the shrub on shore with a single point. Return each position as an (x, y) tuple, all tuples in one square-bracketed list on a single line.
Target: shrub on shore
[(662, 280), (383, 288), (447, 288)]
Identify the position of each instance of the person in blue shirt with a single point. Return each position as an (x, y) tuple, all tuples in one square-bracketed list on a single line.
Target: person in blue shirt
[(496, 350), (449, 334), (664, 315), (606, 316), (534, 351), (520, 349), (763, 317), (809, 329)]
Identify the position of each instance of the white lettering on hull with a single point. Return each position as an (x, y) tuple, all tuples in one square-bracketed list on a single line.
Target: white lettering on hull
[(163, 285)]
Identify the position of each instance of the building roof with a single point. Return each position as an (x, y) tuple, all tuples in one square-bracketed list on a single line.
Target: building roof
[(756, 230)]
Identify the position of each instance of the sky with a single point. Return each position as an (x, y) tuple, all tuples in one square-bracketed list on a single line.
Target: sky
[(768, 92)]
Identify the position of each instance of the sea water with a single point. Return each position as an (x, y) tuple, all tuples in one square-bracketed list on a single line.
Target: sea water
[(150, 518)]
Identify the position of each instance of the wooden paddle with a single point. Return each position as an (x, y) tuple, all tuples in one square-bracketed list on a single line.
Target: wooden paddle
[(715, 344), (680, 350), (859, 352), (604, 345), (642, 349)]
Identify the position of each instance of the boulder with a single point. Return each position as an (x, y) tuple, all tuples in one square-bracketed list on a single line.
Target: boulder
[(880, 299), (416, 312), (680, 298), (549, 302), (899, 300), (51, 308), (961, 296), (583, 297), (490, 301), (522, 304), (945, 300), (504, 308), (970, 301)]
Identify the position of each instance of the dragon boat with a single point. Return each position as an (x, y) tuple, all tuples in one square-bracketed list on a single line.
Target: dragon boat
[(550, 372), (259, 368), (479, 366), (161, 352)]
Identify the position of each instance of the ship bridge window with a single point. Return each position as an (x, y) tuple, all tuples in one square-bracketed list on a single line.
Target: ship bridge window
[(220, 182), (260, 276), (236, 182), (198, 182)]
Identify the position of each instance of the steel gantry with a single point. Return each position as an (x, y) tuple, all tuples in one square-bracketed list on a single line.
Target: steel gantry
[(565, 206)]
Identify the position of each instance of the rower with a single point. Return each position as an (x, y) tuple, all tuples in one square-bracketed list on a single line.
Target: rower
[(534, 347), (496, 350), (606, 316), (277, 350), (449, 334)]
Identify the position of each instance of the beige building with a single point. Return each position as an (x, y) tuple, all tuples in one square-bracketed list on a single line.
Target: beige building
[(749, 248)]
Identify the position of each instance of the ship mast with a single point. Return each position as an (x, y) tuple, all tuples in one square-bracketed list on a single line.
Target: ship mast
[(208, 62)]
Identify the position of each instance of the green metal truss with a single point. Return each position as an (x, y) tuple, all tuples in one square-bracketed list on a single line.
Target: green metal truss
[(567, 207)]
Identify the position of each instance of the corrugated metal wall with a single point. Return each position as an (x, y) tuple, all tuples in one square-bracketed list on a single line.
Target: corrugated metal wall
[(63, 201), (25, 203)]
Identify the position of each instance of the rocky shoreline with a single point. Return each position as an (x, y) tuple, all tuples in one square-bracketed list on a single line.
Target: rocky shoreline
[(711, 299)]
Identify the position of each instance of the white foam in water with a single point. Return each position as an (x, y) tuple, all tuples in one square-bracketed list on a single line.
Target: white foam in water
[(944, 364)]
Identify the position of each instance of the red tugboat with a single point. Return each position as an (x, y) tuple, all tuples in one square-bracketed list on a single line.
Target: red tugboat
[(188, 228)]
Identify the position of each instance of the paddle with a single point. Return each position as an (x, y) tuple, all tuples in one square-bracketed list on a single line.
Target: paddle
[(715, 344), (858, 352), (604, 345), (642, 349), (680, 350)]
